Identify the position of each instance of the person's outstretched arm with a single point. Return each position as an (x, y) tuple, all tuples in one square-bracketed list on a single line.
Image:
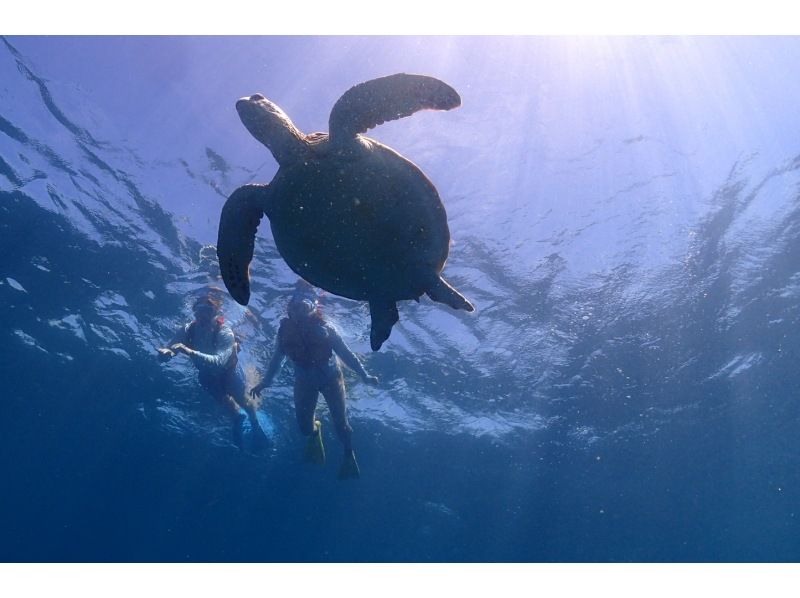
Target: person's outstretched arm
[(278, 357), (220, 357), (166, 353), (350, 359)]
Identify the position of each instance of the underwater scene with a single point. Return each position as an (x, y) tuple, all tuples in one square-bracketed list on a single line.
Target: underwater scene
[(551, 311)]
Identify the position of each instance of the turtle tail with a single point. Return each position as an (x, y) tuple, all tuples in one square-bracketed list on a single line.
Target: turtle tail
[(238, 224)]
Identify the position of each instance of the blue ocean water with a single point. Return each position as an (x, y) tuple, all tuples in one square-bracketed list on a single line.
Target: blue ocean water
[(624, 215)]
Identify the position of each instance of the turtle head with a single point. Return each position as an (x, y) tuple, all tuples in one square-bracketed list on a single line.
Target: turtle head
[(271, 126)]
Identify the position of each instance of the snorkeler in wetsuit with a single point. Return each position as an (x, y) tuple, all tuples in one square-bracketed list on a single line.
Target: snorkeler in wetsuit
[(211, 345), (313, 346)]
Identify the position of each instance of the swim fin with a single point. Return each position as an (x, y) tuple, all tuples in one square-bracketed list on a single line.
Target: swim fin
[(260, 439), (237, 432), (315, 450), (349, 468)]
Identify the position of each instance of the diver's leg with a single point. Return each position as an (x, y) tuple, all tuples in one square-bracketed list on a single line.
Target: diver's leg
[(228, 404), (335, 396), (232, 410), (306, 394), (237, 390), (305, 401), (217, 387)]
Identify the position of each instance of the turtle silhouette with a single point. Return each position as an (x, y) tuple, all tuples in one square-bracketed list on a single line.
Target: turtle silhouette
[(348, 214)]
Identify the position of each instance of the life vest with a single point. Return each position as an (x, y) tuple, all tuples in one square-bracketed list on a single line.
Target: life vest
[(305, 342), (218, 322)]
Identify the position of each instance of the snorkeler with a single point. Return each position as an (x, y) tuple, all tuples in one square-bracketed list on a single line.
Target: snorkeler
[(211, 345), (209, 264), (310, 342)]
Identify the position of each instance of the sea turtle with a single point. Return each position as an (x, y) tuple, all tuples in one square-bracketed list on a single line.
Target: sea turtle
[(348, 214)]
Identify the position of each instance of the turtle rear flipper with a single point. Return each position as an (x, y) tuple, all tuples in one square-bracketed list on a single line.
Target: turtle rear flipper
[(238, 224), (383, 313), (442, 292), (374, 102)]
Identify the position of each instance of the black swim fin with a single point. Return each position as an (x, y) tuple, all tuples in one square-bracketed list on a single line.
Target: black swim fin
[(349, 469)]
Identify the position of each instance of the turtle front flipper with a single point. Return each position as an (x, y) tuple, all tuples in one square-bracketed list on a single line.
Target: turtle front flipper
[(238, 224), (388, 98), (442, 292), (383, 313)]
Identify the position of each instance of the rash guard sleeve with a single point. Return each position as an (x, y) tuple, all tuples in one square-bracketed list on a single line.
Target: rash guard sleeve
[(222, 354)]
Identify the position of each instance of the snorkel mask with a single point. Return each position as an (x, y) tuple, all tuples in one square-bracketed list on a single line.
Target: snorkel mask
[(205, 308), (303, 301)]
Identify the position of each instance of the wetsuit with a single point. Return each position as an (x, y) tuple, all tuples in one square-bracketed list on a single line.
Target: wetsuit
[(313, 346)]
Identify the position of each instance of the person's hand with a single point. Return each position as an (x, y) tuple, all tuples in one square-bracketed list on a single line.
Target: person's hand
[(181, 348), (372, 380), (165, 354), (256, 390)]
